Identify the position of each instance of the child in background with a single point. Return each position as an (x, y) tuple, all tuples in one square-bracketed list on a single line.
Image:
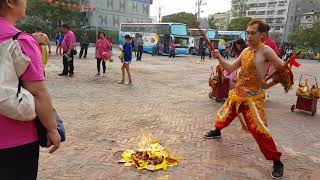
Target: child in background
[(126, 60)]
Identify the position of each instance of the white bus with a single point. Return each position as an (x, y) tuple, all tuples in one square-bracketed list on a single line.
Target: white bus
[(162, 33), (196, 39)]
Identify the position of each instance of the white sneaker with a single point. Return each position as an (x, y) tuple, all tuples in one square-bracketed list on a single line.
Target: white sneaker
[(104, 75)]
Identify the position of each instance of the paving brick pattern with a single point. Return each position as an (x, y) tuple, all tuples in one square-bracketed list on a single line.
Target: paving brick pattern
[(169, 99)]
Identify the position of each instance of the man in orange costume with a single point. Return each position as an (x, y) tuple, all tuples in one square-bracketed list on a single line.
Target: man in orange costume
[(248, 96)]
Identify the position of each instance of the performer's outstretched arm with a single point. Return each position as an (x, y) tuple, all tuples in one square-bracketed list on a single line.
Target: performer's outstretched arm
[(230, 67)]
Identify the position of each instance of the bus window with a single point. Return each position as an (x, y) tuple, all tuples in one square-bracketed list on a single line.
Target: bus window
[(179, 30)]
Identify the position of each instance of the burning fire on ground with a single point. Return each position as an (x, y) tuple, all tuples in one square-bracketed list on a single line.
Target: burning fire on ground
[(150, 155)]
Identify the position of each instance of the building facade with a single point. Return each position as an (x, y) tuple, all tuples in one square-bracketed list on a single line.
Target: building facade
[(222, 20), (109, 14), (283, 16), (307, 20)]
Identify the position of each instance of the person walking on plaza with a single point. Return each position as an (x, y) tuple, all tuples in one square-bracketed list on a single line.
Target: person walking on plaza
[(19, 146), (203, 50), (103, 52), (84, 43), (68, 46), (154, 46), (172, 50), (59, 38), (140, 44), (43, 41), (126, 61), (248, 95)]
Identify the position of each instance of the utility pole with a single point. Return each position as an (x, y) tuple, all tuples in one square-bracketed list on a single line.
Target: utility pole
[(200, 3), (160, 11), (160, 14)]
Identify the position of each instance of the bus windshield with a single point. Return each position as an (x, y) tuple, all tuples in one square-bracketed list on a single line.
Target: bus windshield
[(211, 34), (179, 29), (181, 42)]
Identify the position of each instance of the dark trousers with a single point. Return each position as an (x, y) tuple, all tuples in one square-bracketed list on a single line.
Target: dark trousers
[(225, 54), (139, 55), (67, 65), (172, 54), (84, 47), (203, 55), (19, 163), (103, 65), (154, 50)]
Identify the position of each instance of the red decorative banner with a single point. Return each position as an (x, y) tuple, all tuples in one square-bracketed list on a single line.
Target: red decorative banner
[(72, 6)]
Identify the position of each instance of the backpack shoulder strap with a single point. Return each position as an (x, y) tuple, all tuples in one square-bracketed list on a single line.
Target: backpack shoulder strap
[(15, 37)]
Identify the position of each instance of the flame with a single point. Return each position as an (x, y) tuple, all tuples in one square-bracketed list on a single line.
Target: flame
[(150, 155)]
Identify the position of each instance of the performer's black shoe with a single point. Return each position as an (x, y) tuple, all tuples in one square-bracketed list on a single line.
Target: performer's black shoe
[(62, 74), (212, 134), (277, 172)]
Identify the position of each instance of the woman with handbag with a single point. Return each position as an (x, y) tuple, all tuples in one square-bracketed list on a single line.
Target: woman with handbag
[(19, 145), (103, 52), (69, 51)]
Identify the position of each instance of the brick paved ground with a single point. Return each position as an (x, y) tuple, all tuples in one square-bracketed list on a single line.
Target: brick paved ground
[(169, 99)]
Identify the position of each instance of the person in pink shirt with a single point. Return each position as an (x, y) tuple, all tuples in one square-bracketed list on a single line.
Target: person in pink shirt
[(103, 52), (68, 44), (270, 42), (19, 147), (232, 78)]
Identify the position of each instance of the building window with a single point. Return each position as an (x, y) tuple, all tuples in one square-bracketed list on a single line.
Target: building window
[(270, 12), (270, 20), (252, 5), (282, 11), (260, 12), (277, 28), (261, 4), (281, 3), (272, 4), (280, 20), (252, 13)]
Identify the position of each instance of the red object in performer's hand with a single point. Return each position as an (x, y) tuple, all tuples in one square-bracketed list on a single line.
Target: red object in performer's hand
[(205, 37), (215, 54)]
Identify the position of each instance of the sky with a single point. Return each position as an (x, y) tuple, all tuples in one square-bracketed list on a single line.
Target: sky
[(174, 6)]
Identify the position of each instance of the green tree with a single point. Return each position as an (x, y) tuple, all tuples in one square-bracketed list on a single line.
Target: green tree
[(307, 37), (238, 8), (187, 18), (49, 16), (239, 24), (212, 23)]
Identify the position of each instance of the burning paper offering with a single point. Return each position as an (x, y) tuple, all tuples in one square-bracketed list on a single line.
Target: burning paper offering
[(150, 155)]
